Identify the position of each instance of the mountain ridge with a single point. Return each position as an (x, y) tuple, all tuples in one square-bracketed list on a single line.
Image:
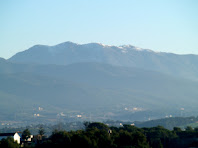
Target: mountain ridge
[(127, 56)]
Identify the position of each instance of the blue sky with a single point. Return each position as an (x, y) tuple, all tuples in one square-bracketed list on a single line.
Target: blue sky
[(160, 25)]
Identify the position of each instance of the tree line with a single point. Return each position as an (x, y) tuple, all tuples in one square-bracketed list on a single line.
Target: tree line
[(99, 135)]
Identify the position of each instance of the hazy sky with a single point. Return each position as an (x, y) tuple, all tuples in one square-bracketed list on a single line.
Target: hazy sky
[(160, 25)]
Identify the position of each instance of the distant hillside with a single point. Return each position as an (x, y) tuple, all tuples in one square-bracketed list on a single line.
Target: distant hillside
[(168, 123), (99, 88), (127, 56)]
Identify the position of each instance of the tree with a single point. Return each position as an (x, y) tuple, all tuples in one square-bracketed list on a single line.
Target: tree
[(26, 134), (177, 129), (9, 143), (196, 129), (41, 131), (60, 139), (139, 140), (97, 125), (86, 124), (189, 129)]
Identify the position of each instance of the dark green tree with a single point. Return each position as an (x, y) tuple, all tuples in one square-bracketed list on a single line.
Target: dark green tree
[(139, 140), (81, 140), (177, 129), (41, 131), (196, 129), (9, 143), (98, 125), (26, 134), (60, 139), (189, 129)]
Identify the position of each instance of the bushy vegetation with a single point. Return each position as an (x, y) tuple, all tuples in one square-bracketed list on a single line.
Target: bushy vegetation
[(9, 143), (99, 135)]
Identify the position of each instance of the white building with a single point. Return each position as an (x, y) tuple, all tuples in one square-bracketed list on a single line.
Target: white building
[(15, 136)]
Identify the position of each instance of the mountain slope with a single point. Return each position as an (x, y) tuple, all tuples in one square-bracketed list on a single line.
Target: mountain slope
[(127, 56), (95, 87)]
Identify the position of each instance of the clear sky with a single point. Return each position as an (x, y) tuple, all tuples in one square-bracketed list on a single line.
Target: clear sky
[(160, 25)]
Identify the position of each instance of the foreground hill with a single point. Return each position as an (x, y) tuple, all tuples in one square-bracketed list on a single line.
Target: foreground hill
[(127, 56)]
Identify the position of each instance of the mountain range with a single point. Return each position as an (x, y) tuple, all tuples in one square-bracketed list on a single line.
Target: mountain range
[(112, 82), (125, 56)]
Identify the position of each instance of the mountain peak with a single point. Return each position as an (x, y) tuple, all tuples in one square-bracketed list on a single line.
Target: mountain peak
[(68, 43), (95, 45), (38, 46)]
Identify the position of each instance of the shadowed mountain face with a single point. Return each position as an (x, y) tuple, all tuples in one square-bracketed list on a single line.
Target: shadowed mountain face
[(92, 87), (127, 56)]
